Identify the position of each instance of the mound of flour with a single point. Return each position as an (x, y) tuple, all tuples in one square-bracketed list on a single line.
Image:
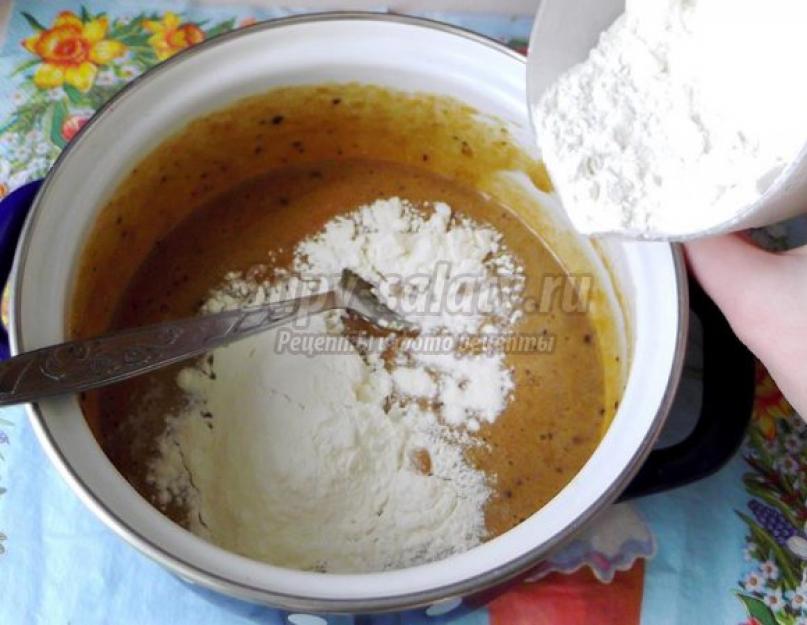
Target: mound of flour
[(684, 114), (344, 462)]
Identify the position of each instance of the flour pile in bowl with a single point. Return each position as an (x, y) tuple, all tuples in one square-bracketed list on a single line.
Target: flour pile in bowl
[(351, 461)]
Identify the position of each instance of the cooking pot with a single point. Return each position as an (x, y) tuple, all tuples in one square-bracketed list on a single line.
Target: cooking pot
[(403, 53)]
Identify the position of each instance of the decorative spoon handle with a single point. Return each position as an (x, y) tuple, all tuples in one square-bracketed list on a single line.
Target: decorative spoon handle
[(85, 364)]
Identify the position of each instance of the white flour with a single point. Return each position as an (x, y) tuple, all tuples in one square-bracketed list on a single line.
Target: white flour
[(684, 114), (317, 462)]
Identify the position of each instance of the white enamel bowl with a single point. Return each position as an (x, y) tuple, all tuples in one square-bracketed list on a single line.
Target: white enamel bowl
[(398, 52)]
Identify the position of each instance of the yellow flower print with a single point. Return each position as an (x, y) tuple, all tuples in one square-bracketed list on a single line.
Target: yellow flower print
[(170, 35), (770, 405), (71, 51)]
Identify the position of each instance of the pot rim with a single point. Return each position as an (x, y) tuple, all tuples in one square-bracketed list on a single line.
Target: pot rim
[(191, 572)]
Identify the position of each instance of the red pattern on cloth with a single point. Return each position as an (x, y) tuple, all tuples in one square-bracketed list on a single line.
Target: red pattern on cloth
[(576, 599)]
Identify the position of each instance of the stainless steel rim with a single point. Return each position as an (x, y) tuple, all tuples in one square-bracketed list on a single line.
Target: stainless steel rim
[(204, 578)]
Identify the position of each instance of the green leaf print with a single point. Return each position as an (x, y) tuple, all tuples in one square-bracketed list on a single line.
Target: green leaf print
[(783, 559), (32, 21), (758, 443), (761, 492), (758, 610), (223, 27), (27, 116), (25, 65), (73, 94), (59, 114)]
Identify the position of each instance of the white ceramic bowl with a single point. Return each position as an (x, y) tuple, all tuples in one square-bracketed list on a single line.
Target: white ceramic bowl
[(399, 52), (564, 33)]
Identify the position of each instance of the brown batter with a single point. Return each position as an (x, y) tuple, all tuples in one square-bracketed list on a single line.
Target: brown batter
[(268, 171)]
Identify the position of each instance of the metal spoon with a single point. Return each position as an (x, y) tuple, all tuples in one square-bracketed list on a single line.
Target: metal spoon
[(81, 365)]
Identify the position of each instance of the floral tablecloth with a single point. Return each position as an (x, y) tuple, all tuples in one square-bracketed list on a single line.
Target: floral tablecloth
[(730, 549)]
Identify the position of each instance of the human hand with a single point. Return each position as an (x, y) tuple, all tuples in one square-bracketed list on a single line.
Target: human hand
[(764, 297)]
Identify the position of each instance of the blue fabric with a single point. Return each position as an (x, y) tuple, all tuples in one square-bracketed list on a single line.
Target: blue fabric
[(700, 551)]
